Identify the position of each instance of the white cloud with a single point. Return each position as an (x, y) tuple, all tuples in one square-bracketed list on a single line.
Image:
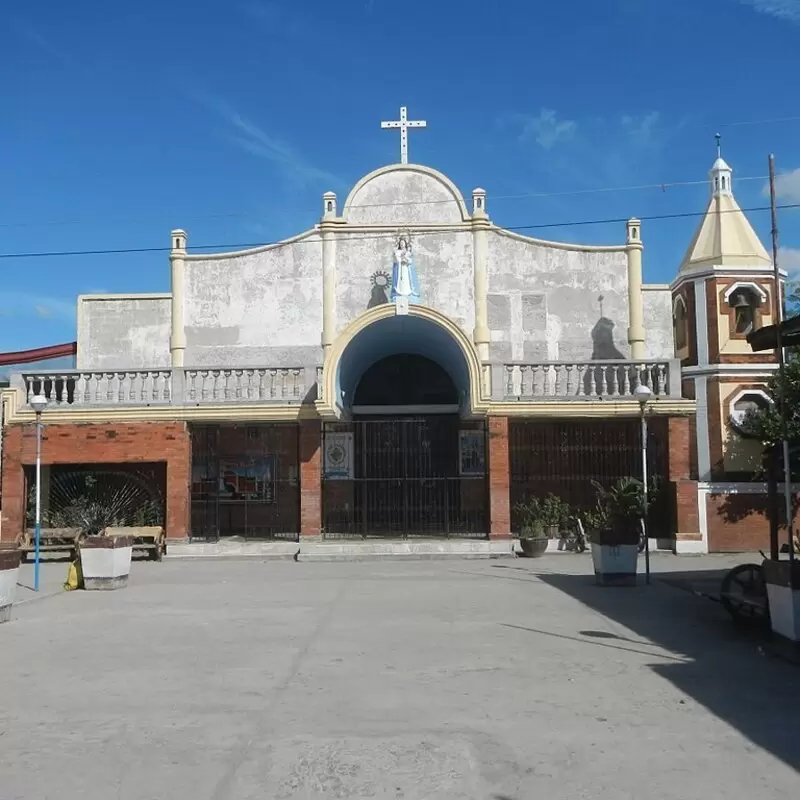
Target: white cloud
[(783, 9), (787, 186), (545, 128), (789, 260), (643, 129), (255, 140), (21, 304)]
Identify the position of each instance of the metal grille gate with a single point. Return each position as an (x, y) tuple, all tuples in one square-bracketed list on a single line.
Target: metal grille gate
[(408, 480), (564, 457)]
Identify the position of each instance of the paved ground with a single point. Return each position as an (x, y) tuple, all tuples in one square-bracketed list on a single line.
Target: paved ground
[(461, 679)]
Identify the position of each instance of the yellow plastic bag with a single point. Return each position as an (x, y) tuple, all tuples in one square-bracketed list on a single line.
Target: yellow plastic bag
[(74, 577)]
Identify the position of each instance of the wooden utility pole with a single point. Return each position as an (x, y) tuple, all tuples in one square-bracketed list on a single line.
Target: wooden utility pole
[(783, 411)]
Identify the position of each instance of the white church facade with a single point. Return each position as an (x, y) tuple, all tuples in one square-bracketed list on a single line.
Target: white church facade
[(407, 368)]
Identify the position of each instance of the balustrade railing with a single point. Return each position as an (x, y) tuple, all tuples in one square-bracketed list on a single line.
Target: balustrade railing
[(522, 381), (577, 380), (170, 386)]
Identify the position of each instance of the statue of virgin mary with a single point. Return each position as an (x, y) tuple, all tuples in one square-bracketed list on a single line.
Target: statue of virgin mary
[(404, 275)]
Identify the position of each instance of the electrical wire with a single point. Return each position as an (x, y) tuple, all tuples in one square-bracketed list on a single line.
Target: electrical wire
[(494, 198), (234, 246)]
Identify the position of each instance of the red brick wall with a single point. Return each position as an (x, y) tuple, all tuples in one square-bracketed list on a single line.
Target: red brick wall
[(687, 523), (739, 522), (88, 443), (499, 485), (310, 478)]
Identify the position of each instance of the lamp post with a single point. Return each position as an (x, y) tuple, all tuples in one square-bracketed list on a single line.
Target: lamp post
[(644, 394), (38, 404)]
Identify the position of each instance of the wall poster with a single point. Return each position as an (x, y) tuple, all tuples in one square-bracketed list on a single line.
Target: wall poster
[(338, 457), (246, 478), (471, 453)]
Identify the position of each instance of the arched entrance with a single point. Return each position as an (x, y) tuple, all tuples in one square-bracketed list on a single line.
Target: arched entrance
[(406, 461)]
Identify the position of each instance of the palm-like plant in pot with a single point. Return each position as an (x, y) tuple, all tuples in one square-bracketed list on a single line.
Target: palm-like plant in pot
[(615, 531), (540, 520)]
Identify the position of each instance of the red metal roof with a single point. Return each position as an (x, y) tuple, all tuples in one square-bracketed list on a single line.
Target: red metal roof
[(39, 354)]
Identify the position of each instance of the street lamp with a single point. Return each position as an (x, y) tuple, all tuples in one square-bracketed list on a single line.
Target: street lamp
[(38, 404), (644, 394)]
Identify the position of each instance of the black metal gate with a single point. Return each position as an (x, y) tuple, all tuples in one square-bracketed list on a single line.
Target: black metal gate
[(415, 477)]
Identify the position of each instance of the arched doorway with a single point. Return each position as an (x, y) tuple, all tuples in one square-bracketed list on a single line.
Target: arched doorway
[(406, 380), (407, 463)]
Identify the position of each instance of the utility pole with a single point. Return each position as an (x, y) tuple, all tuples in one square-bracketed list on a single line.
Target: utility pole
[(779, 315)]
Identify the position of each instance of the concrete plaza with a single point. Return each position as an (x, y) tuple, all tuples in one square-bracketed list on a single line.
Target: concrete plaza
[(498, 679)]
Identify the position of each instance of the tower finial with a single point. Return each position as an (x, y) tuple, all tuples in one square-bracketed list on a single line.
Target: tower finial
[(718, 137)]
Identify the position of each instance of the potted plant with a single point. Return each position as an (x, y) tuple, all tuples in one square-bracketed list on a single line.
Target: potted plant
[(533, 537), (9, 570), (615, 528), (541, 519), (106, 561)]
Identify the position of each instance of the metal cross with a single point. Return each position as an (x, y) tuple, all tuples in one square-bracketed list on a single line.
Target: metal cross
[(404, 124)]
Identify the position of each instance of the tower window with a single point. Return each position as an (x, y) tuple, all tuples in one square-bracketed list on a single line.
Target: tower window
[(744, 403), (680, 323), (744, 304)]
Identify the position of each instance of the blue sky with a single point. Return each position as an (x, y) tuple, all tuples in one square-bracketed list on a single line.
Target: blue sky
[(120, 121)]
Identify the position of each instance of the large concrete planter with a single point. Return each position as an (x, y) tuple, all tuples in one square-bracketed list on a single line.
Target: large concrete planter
[(783, 593), (106, 561), (9, 571), (615, 564)]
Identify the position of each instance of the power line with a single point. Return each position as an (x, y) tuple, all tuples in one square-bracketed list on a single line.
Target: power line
[(234, 246), (494, 198)]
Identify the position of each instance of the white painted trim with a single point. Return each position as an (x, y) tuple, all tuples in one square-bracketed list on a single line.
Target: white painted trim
[(702, 523), (582, 248), (678, 299), (731, 370), (702, 433), (692, 547), (738, 416), (703, 271), (745, 285), (700, 323), (312, 232), (739, 487), (127, 296), (400, 410)]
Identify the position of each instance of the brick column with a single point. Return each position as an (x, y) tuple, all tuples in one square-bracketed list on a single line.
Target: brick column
[(178, 513), (687, 523), (499, 488), (310, 478), (13, 500)]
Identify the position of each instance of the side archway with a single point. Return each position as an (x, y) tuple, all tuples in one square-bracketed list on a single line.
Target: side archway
[(380, 333)]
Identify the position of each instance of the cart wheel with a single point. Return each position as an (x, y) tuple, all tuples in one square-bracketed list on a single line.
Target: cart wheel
[(744, 595), (22, 544), (157, 553)]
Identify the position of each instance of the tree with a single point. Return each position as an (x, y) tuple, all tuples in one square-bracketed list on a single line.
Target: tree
[(764, 424)]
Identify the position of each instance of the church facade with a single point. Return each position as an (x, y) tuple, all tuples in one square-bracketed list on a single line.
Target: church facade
[(407, 369)]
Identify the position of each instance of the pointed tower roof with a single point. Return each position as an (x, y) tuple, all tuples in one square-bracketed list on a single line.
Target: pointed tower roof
[(725, 236)]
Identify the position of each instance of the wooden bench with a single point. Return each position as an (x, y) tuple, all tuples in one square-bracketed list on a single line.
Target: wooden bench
[(51, 540), (150, 538)]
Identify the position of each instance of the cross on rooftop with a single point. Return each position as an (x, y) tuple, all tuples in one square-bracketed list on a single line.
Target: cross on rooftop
[(404, 124)]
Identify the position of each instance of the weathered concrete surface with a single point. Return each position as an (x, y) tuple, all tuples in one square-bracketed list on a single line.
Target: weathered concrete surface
[(124, 332), (505, 679)]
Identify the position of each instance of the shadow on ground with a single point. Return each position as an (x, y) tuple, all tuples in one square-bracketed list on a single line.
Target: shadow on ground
[(727, 670)]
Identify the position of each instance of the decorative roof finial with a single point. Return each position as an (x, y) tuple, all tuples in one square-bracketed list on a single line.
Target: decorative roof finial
[(718, 137)]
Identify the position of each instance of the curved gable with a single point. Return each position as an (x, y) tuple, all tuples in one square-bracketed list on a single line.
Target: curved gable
[(405, 195)]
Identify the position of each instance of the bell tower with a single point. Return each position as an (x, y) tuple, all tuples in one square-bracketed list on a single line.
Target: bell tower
[(724, 290)]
